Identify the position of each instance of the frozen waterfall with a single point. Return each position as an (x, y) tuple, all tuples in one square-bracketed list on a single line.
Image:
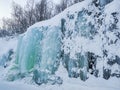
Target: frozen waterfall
[(78, 38)]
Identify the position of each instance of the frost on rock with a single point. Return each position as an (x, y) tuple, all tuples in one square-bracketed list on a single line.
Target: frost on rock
[(90, 38)]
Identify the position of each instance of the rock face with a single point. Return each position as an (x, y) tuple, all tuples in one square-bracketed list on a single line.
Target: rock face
[(84, 39)]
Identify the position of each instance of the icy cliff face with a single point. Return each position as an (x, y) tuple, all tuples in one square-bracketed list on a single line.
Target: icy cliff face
[(85, 38)]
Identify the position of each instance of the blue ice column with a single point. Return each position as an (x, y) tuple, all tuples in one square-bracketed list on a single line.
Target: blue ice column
[(28, 49)]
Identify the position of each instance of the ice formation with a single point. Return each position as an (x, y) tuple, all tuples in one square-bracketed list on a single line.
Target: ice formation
[(84, 38)]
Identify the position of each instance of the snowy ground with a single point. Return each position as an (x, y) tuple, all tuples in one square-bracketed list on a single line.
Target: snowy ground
[(68, 84), (94, 84)]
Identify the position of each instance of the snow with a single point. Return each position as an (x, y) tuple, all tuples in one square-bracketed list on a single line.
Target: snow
[(99, 85), (69, 84), (87, 45), (6, 44), (113, 7), (74, 9)]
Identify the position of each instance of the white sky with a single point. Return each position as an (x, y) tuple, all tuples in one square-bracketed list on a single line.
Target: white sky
[(6, 7)]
